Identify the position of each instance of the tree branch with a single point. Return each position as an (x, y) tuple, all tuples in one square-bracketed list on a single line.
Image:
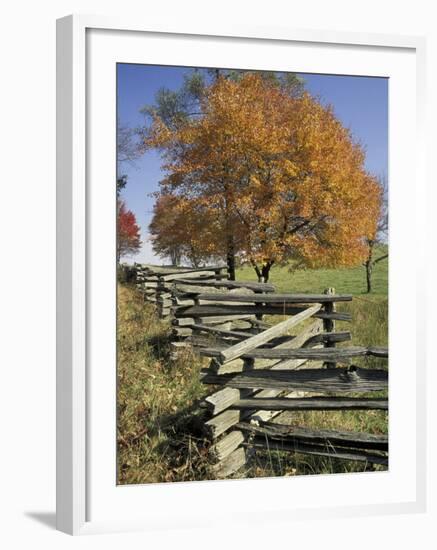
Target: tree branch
[(380, 258)]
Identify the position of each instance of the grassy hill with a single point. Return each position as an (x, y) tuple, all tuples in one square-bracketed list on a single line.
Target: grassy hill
[(349, 281)]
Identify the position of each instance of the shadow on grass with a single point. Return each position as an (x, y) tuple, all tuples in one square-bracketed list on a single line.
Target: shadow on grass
[(186, 447), (187, 422), (159, 346)]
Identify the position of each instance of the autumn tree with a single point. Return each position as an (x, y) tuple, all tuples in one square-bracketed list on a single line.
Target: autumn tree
[(183, 230), (128, 232), (164, 230), (279, 174), (379, 236), (177, 108)]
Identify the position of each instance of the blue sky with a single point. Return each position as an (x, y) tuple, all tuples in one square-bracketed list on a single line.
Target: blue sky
[(361, 103)]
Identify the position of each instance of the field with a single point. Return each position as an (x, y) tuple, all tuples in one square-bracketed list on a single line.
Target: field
[(159, 435), (345, 281)]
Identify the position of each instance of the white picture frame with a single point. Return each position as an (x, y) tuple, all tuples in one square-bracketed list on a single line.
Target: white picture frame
[(77, 368)]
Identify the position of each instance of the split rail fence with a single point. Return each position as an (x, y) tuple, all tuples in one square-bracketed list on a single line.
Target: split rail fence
[(156, 282), (257, 371)]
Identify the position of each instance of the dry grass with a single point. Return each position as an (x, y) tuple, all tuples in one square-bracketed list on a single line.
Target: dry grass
[(159, 431)]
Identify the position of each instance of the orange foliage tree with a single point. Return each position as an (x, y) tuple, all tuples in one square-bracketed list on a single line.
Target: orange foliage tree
[(183, 230), (128, 232), (269, 178)]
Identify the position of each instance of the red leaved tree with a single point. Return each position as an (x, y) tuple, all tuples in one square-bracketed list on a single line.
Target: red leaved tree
[(128, 232)]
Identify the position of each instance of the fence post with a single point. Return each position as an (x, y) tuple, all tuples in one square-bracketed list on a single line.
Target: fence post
[(259, 316), (329, 324)]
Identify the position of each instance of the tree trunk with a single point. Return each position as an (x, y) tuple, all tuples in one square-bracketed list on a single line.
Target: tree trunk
[(265, 271), (194, 261), (258, 273), (230, 259), (263, 274), (369, 265), (369, 268), (175, 256)]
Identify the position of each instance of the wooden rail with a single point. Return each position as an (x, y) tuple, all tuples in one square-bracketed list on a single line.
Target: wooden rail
[(249, 344), (356, 440), (207, 311), (256, 287), (311, 404), (331, 354), (155, 282), (317, 450), (318, 380), (281, 299)]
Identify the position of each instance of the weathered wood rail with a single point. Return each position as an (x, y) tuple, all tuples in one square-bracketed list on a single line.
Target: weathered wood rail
[(282, 298), (156, 282), (172, 289), (331, 354), (227, 325), (291, 434), (335, 380), (312, 404), (326, 450), (272, 309)]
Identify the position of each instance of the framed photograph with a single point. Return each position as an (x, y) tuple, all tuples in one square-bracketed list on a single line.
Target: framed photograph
[(238, 318)]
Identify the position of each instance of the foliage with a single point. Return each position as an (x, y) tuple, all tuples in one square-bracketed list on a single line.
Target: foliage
[(128, 232), (281, 177), (177, 107), (182, 230)]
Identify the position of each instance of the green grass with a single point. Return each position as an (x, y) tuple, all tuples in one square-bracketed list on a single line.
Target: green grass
[(346, 281), (159, 424)]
